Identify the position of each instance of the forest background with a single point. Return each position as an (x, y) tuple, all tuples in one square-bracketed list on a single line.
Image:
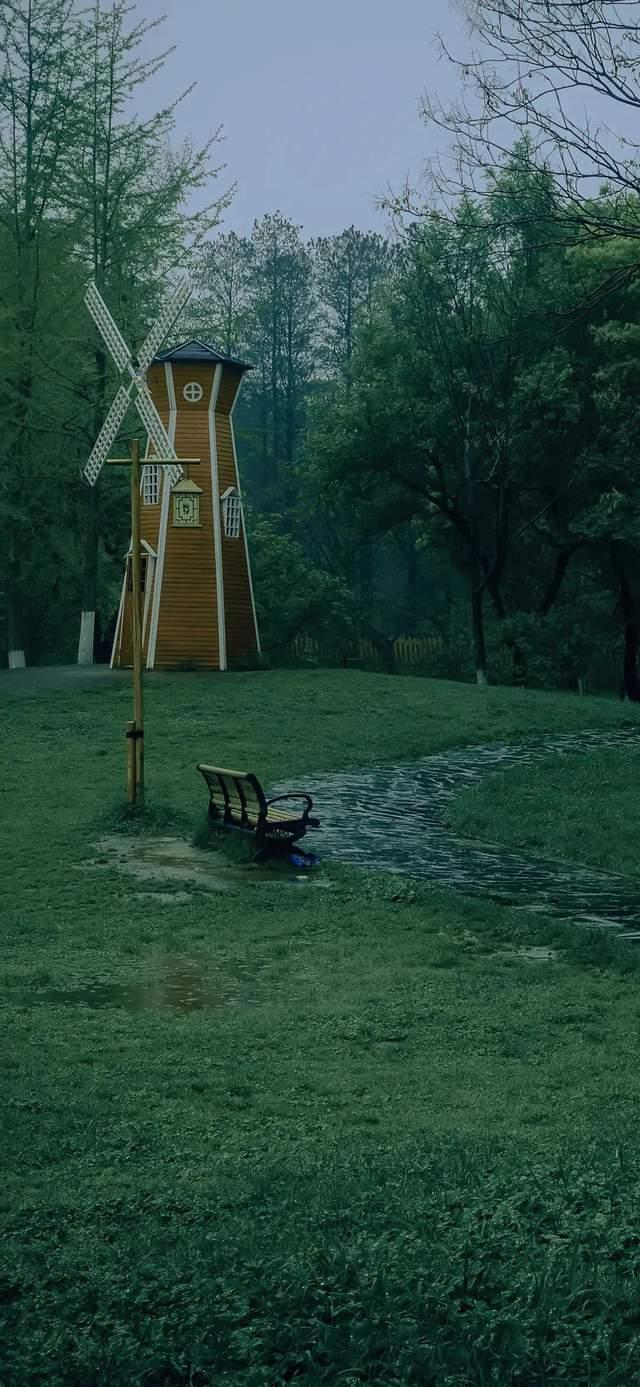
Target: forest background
[(438, 438)]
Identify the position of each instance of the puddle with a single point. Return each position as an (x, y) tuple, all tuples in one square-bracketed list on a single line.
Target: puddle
[(181, 985), (535, 953), (165, 897), (163, 860)]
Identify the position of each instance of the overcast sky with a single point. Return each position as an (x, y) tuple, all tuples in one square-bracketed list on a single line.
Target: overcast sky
[(318, 98)]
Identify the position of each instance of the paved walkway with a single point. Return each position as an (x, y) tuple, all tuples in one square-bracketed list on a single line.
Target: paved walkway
[(36, 679), (392, 819)]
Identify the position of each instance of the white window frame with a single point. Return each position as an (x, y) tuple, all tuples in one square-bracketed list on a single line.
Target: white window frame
[(195, 392), (151, 484), (231, 513)]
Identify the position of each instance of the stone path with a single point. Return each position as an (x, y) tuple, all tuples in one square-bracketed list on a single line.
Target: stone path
[(391, 818)]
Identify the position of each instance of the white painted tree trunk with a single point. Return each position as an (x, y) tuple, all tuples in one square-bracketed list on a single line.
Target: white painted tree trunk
[(85, 644), (481, 676), (16, 659)]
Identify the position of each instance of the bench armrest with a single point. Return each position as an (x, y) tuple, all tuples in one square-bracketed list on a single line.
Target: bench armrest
[(297, 794), (294, 794)]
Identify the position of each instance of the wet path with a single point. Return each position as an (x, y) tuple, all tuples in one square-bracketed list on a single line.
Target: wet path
[(391, 818)]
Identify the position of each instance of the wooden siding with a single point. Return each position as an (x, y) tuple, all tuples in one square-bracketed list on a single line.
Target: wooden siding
[(125, 644), (188, 615), (229, 386), (125, 640), (241, 632), (188, 620), (149, 528)]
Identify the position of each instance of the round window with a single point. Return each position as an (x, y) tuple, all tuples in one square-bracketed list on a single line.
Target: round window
[(193, 392)]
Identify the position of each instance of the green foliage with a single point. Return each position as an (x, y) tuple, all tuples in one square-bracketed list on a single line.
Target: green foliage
[(492, 403), (86, 190), (574, 645), (293, 594)]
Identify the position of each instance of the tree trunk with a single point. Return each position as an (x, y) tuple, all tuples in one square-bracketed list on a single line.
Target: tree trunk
[(365, 579), (90, 579), (86, 640), (265, 470), (15, 647), (15, 651), (479, 647), (518, 665), (561, 566), (631, 677)]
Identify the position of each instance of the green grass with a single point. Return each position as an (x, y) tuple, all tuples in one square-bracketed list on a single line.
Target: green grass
[(414, 1159), (581, 808)]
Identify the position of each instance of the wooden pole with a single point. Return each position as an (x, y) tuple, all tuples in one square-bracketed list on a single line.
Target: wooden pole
[(138, 707), (131, 762)]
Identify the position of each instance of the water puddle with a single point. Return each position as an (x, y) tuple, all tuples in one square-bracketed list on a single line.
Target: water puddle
[(393, 819), (182, 984), (534, 953), (161, 861)]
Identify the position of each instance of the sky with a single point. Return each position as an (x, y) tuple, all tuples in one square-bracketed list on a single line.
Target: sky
[(318, 99)]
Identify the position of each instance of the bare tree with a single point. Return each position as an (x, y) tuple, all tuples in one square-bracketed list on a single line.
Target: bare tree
[(348, 267), (220, 307), (563, 73), (280, 338)]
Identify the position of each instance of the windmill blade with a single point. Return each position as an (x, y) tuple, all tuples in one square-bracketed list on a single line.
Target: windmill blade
[(157, 432), (165, 322), (110, 334), (107, 434), (153, 423), (173, 475)]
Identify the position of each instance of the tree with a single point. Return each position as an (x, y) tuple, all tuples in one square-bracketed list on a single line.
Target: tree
[(280, 340), (293, 595), (219, 311), (348, 269), (130, 194), (531, 60), (464, 410), (40, 83)]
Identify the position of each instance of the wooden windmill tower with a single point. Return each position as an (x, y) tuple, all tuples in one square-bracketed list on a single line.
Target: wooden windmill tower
[(198, 609), (198, 597)]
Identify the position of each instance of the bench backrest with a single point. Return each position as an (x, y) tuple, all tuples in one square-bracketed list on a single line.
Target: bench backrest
[(236, 796)]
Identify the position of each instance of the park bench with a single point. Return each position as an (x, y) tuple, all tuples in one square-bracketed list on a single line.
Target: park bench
[(238, 802)]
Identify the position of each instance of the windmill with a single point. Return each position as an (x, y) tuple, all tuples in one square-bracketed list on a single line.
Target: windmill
[(135, 392)]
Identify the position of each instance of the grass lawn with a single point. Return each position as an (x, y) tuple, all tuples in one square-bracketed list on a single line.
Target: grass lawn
[(582, 808), (413, 1160)]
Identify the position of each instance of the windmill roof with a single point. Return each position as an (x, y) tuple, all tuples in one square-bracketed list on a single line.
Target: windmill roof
[(186, 484), (200, 351)]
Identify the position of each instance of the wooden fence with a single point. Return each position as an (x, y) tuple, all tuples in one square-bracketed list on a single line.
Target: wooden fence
[(427, 655), (410, 653)]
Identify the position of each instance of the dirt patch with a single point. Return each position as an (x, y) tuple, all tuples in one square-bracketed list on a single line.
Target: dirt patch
[(163, 860)]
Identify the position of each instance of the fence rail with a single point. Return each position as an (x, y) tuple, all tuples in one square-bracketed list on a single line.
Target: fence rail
[(427, 655), (408, 652)]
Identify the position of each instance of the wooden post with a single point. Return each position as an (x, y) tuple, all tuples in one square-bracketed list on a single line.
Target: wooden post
[(131, 763), (135, 730), (138, 707)]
